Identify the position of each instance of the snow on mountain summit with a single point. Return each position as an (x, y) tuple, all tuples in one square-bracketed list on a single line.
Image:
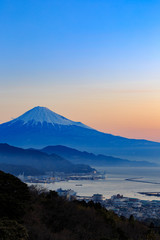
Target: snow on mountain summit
[(43, 114)]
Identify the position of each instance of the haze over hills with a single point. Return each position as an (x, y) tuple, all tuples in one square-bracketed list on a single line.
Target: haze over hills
[(92, 159), (20, 169), (43, 162), (40, 127)]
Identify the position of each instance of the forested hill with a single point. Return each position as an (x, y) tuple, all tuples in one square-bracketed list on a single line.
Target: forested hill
[(30, 214)]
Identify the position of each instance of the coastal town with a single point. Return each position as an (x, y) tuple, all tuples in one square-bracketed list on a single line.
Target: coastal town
[(51, 177), (122, 206)]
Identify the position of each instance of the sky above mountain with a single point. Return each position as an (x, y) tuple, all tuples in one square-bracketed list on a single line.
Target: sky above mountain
[(93, 61)]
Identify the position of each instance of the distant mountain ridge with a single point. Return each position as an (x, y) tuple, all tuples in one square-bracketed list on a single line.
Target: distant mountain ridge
[(20, 169), (94, 160), (39, 160), (40, 127)]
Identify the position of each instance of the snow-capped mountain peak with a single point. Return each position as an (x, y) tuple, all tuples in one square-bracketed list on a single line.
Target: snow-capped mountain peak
[(44, 115)]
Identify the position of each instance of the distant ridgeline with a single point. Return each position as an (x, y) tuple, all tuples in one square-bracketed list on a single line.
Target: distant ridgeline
[(32, 162), (92, 159), (31, 214), (40, 127)]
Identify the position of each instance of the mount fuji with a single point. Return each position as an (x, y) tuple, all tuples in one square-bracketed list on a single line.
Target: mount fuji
[(42, 116), (40, 127)]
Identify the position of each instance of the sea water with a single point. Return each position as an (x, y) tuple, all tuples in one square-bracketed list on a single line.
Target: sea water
[(115, 183)]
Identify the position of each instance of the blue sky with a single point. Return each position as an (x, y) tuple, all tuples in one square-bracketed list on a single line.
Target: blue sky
[(83, 53)]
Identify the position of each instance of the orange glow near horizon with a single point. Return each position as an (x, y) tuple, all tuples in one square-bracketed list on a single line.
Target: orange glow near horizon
[(132, 115)]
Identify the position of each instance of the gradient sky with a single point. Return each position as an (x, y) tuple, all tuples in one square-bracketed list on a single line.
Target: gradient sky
[(94, 61)]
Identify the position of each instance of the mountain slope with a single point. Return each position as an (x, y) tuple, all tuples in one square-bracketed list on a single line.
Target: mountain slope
[(94, 160), (42, 115), (20, 169), (41, 127), (41, 161)]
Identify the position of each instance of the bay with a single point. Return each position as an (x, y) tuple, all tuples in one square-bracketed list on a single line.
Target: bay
[(115, 183)]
